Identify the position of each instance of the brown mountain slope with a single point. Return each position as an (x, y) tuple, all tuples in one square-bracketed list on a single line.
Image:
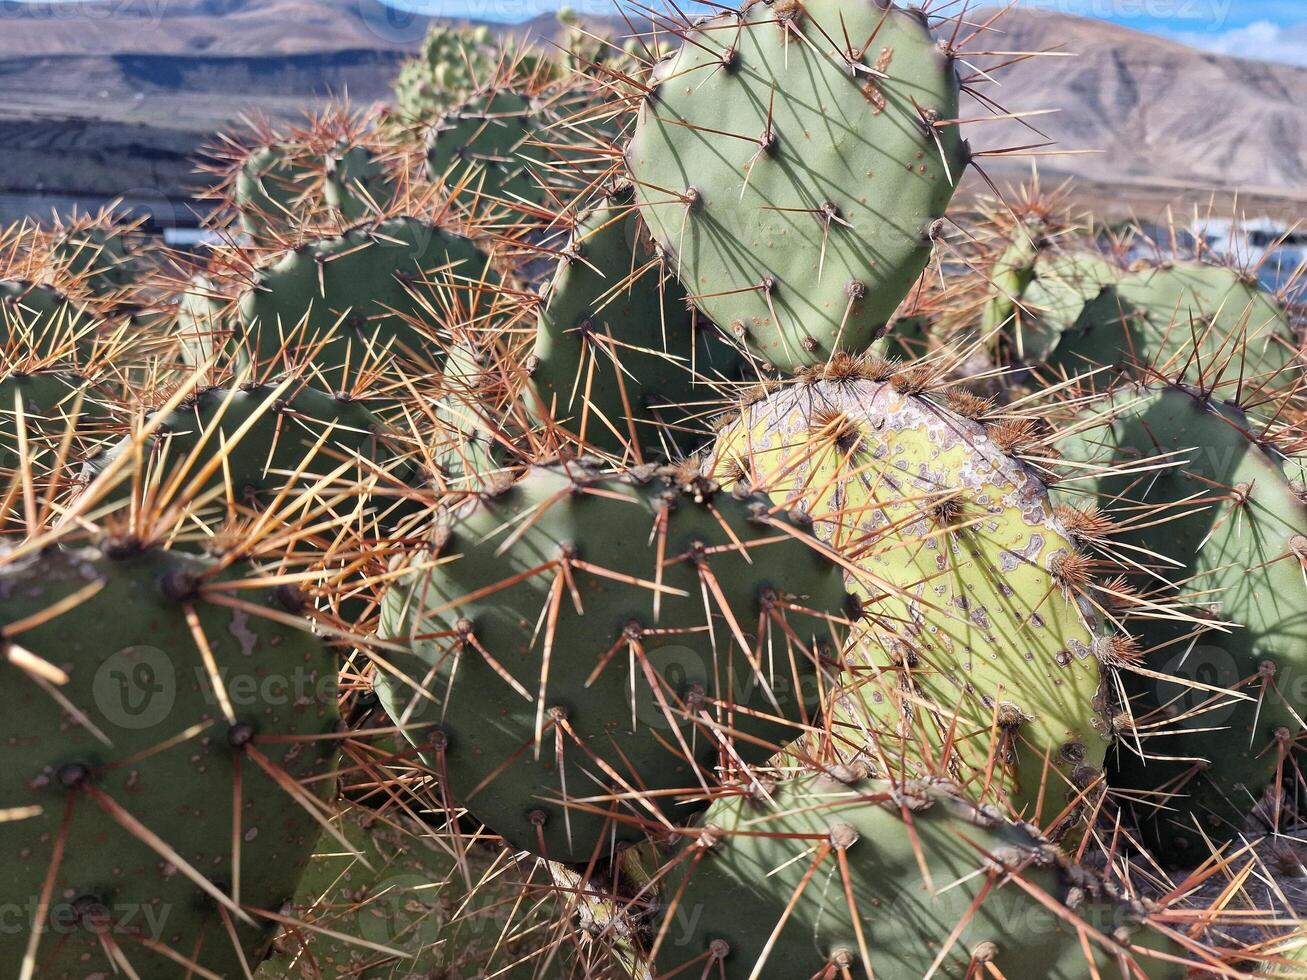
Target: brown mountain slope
[(101, 98), (1160, 112), (215, 27)]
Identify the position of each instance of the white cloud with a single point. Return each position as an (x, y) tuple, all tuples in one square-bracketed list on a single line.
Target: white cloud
[(1260, 39)]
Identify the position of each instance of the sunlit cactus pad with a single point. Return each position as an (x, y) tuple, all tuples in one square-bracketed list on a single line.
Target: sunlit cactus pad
[(791, 161)]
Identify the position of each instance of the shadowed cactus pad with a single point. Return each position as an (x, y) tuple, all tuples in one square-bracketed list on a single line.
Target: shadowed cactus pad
[(38, 320), (827, 876), (1195, 483), (98, 256), (1207, 323), (577, 636), (957, 556), (620, 358), (415, 901), (135, 764), (53, 404), (793, 181)]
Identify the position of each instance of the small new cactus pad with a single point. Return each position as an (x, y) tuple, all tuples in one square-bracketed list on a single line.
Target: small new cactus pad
[(487, 142), (1207, 323), (201, 324), (788, 161), (414, 900), (843, 877), (1192, 484), (166, 756), (586, 645), (253, 443), (974, 622), (356, 299), (621, 360), (1011, 275)]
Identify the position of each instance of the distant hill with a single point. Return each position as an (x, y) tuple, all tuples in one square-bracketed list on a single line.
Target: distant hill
[(1162, 113), (100, 100)]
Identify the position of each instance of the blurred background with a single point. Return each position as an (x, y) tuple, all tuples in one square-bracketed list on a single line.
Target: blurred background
[(1163, 104)]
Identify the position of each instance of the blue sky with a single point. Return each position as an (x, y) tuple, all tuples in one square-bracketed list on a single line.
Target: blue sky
[(1271, 29)]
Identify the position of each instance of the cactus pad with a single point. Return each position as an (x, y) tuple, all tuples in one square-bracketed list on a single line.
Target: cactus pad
[(135, 765), (620, 358), (1217, 503), (827, 878), (581, 635), (957, 552), (792, 181)]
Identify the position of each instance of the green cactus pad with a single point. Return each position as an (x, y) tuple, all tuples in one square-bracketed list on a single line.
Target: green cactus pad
[(53, 403), (453, 63), (259, 436), (99, 258), (355, 184), (38, 320), (150, 739), (624, 363), (1062, 289), (413, 900), (930, 877), (655, 570), (273, 184), (344, 300), (1231, 529), (795, 195), (487, 141), (1152, 317), (956, 548)]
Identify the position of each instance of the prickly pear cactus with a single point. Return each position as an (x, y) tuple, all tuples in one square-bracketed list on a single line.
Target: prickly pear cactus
[(789, 163), (201, 324), (54, 407), (583, 644), (39, 320), (850, 877), (165, 761), (1208, 324), (489, 142), (98, 256), (377, 292), (355, 184), (453, 63), (1191, 482), (228, 447), (620, 358), (436, 916), (273, 184), (468, 448), (977, 621), (1062, 289)]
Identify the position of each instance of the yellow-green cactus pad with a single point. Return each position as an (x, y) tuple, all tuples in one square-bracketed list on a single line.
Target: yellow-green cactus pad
[(972, 640)]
